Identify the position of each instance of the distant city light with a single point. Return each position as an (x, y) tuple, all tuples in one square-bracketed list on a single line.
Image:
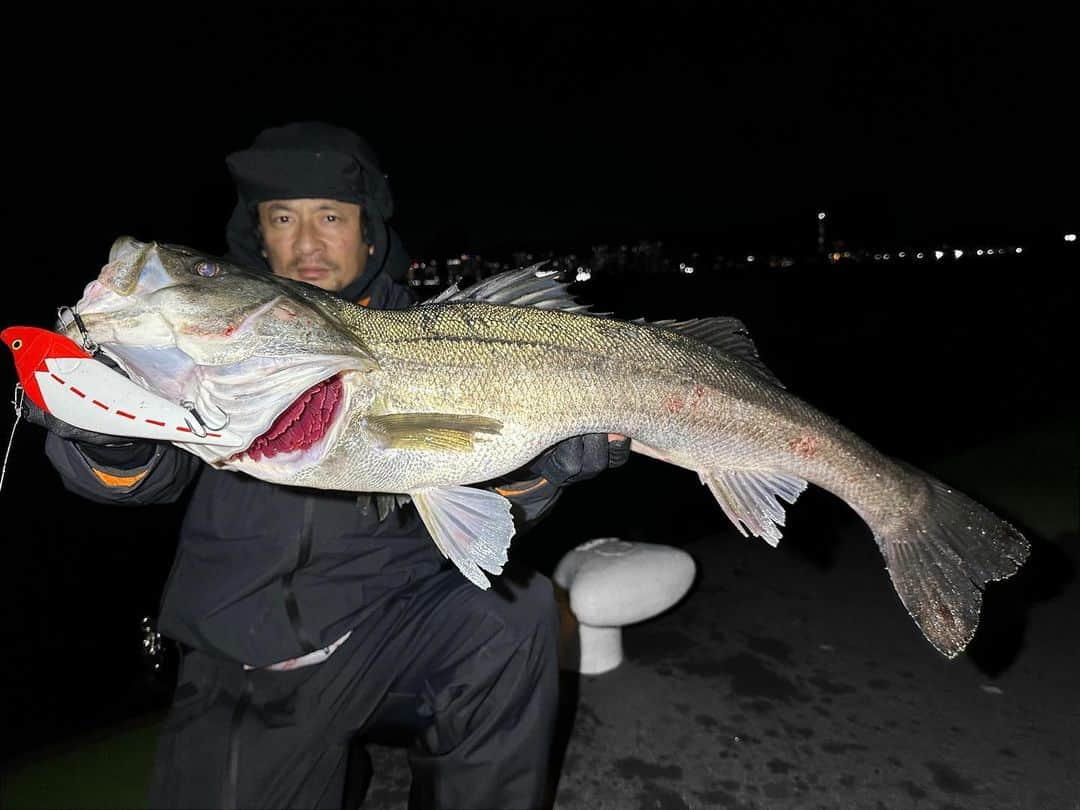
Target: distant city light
[(583, 274), (938, 254), (918, 255), (979, 252), (749, 258), (901, 254), (957, 253), (821, 215), (688, 269), (1070, 237), (1019, 250)]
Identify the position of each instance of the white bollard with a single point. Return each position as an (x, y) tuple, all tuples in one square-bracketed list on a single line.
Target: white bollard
[(613, 583)]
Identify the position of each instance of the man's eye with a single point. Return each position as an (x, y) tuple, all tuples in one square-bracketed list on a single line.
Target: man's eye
[(332, 218), (206, 269)]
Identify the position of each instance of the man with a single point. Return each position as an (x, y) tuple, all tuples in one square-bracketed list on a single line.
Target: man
[(303, 617)]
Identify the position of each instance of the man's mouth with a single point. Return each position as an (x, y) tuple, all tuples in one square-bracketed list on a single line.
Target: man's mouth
[(313, 271), (300, 425)]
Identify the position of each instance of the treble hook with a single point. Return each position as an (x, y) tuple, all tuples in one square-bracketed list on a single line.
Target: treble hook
[(88, 342), (188, 405)]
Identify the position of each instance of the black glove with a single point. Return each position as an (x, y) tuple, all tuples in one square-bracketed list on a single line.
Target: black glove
[(33, 414), (102, 448), (120, 452), (580, 458)]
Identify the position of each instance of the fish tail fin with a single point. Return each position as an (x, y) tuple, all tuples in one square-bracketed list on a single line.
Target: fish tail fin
[(941, 553)]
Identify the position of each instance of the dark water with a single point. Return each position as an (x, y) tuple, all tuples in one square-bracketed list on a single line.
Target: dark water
[(920, 360)]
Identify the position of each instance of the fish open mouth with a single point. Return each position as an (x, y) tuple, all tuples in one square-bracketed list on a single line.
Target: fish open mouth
[(302, 424)]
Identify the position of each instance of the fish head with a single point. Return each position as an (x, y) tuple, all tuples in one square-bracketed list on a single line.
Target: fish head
[(230, 342)]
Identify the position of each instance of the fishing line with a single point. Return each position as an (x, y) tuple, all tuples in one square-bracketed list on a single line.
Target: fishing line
[(17, 402)]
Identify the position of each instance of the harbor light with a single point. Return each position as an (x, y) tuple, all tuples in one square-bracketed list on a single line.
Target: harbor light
[(1070, 237), (957, 253)]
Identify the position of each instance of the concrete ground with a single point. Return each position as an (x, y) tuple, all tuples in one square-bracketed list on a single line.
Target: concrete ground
[(788, 678)]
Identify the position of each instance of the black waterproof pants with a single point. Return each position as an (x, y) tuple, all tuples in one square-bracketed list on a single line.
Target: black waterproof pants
[(475, 673)]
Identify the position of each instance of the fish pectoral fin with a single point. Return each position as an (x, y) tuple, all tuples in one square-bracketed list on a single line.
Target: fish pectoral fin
[(430, 431), (471, 527), (748, 497)]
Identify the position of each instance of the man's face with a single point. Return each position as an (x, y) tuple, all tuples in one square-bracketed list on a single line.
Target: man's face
[(317, 241)]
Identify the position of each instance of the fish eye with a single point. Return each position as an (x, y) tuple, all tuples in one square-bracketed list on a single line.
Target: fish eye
[(16, 344), (206, 269)]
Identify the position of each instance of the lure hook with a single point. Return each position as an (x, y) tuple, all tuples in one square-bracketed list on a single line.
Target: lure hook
[(189, 406), (88, 342)]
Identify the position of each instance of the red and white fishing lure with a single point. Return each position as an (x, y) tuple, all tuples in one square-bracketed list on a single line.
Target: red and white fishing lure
[(66, 381)]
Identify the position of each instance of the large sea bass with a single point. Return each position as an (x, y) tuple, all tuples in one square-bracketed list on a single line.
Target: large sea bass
[(473, 384)]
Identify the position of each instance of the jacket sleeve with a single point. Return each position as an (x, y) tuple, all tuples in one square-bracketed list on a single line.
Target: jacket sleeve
[(158, 476)]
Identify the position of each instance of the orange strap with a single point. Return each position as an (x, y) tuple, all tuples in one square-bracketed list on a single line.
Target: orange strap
[(506, 492), (119, 480)]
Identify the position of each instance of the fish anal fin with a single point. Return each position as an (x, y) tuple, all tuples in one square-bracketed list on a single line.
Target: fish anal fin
[(430, 431), (749, 499), (472, 527)]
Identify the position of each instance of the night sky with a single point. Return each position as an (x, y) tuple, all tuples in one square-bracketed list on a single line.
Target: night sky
[(911, 123), (552, 130)]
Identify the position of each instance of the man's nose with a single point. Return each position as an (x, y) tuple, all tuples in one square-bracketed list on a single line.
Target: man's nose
[(307, 237)]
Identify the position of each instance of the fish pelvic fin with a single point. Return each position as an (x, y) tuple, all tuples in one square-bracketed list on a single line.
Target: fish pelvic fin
[(472, 528), (941, 557), (748, 498), (430, 431)]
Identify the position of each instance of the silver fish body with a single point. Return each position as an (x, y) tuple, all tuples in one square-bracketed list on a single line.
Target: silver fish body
[(447, 394)]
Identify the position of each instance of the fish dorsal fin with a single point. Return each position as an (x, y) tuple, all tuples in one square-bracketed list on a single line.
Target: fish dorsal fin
[(725, 334), (526, 287), (472, 528), (430, 431), (748, 497)]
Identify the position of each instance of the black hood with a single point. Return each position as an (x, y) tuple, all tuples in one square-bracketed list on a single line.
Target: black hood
[(313, 159)]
